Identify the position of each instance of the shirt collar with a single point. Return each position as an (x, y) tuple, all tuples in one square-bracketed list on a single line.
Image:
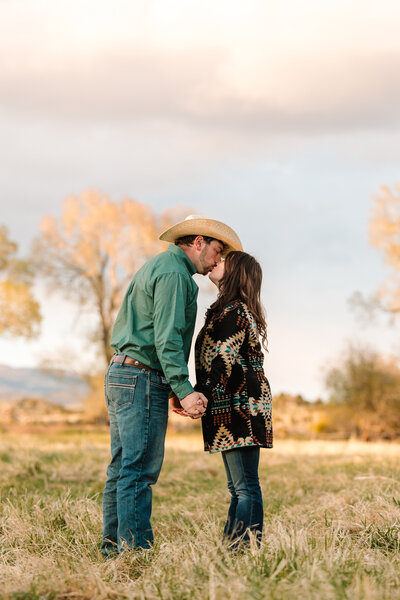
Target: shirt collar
[(182, 255)]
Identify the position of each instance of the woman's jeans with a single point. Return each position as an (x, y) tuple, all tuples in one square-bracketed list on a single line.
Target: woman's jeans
[(137, 402), (246, 509)]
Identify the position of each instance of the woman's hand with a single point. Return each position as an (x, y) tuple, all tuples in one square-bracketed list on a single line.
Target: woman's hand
[(179, 410)]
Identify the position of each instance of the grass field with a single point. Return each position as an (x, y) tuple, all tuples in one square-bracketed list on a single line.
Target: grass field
[(332, 523)]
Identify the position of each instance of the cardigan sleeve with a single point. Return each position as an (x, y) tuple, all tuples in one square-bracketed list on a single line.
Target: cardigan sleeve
[(229, 333)]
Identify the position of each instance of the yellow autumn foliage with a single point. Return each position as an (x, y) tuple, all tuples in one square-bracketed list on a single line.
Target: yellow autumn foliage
[(19, 311), (94, 249), (384, 234)]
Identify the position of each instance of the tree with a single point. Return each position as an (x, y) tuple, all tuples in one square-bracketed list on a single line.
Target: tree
[(365, 390), (384, 234), (19, 311), (362, 379), (93, 252)]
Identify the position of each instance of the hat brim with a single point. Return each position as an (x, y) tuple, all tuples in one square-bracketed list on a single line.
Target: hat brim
[(207, 227)]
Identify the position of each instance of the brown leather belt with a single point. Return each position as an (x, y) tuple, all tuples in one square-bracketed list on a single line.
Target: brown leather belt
[(127, 360)]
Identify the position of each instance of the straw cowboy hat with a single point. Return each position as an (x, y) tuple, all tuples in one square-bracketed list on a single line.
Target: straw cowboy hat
[(198, 225)]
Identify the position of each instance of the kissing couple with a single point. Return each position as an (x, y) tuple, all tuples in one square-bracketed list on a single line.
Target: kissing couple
[(152, 337)]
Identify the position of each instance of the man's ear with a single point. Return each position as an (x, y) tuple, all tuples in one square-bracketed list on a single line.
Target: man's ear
[(198, 241)]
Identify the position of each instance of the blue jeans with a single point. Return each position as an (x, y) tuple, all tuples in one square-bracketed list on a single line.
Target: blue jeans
[(137, 403), (246, 509)]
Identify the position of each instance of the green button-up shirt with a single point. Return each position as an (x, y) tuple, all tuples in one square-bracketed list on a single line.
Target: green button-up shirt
[(155, 323)]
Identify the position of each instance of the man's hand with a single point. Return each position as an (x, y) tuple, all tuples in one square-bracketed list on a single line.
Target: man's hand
[(176, 406), (194, 405)]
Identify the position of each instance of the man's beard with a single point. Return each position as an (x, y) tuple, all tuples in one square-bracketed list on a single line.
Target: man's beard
[(205, 269)]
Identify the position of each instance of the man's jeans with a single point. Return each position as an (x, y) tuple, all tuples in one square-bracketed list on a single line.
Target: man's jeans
[(246, 509), (137, 402)]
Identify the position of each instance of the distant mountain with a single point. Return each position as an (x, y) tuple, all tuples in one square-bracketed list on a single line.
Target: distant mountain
[(59, 387)]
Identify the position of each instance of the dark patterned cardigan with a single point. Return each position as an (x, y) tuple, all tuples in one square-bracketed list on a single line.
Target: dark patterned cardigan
[(229, 370)]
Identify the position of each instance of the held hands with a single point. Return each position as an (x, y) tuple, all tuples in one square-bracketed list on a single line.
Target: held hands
[(193, 405)]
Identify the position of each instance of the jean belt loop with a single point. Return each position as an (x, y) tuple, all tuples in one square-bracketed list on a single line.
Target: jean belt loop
[(123, 360)]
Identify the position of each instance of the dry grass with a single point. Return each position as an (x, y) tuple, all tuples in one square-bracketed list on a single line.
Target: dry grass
[(332, 524)]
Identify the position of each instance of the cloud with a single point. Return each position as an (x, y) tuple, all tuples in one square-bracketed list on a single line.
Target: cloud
[(133, 85), (252, 67), (203, 88)]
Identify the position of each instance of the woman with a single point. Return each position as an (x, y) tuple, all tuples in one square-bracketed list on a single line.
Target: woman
[(229, 369)]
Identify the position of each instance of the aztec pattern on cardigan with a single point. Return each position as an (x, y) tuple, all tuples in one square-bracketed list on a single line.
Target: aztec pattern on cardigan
[(229, 370)]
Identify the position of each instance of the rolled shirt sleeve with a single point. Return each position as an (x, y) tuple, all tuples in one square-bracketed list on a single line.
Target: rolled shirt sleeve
[(170, 298)]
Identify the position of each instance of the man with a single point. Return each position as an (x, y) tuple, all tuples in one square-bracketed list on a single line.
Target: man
[(152, 337)]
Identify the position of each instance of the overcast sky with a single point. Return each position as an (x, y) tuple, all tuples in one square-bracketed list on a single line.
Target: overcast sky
[(280, 118)]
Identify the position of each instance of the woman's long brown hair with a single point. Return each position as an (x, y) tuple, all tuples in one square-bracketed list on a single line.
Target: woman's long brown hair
[(242, 281)]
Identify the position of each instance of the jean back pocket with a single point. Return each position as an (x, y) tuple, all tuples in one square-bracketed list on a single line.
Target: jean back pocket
[(121, 388)]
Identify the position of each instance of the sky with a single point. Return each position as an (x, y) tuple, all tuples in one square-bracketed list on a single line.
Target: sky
[(280, 118)]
